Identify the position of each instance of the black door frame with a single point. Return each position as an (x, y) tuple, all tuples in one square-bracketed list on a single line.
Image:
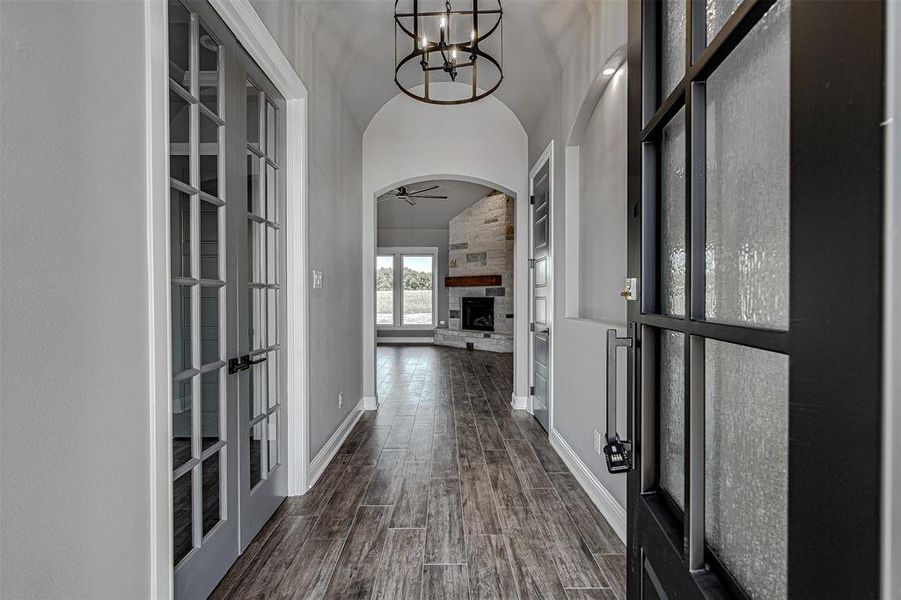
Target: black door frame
[(834, 341)]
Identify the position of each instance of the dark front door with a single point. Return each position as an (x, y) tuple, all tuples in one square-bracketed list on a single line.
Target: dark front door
[(755, 231)]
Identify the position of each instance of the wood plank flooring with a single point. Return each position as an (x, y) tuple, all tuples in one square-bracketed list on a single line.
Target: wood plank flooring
[(444, 492)]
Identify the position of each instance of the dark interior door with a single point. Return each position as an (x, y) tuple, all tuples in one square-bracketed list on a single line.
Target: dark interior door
[(755, 196)]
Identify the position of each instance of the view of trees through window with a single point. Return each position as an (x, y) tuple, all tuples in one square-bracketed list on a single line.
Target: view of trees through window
[(416, 281)]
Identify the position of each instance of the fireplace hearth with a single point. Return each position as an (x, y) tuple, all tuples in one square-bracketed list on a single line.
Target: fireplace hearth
[(478, 314)]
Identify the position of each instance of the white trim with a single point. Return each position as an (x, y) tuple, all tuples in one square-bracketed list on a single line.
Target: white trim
[(331, 447), (891, 387), (521, 402), (546, 157), (156, 77), (602, 499), (425, 340), (241, 18), (370, 402)]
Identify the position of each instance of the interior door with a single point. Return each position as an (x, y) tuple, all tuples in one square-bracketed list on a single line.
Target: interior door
[(227, 193), (755, 218), (204, 450), (540, 293)]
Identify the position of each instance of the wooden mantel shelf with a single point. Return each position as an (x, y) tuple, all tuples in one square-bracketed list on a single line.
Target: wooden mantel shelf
[(473, 281)]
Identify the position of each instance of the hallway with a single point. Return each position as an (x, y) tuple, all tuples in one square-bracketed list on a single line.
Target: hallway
[(444, 492)]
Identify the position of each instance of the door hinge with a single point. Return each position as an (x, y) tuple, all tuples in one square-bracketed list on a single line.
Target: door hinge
[(532, 200), (531, 390), (531, 263), (531, 327)]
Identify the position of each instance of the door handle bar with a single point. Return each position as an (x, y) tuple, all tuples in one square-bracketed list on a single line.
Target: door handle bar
[(613, 342)]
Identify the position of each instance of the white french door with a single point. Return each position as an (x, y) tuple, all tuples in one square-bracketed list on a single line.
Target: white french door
[(226, 134)]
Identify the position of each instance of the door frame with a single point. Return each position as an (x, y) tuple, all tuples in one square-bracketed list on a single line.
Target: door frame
[(546, 157), (844, 239), (250, 30)]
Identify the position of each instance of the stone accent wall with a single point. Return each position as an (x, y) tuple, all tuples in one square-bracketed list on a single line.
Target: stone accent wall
[(481, 243)]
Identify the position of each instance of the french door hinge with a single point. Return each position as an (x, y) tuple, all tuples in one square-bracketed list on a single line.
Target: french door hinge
[(531, 327), (531, 263), (532, 200), (531, 390)]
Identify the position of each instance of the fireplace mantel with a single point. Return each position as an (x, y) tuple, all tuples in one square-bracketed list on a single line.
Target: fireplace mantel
[(473, 281)]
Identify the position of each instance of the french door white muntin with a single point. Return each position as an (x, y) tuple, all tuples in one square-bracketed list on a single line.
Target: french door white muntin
[(227, 132)]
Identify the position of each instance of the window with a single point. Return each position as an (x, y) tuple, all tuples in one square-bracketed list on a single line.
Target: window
[(405, 281)]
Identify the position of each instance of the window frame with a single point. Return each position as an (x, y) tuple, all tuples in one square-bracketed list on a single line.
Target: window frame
[(398, 254)]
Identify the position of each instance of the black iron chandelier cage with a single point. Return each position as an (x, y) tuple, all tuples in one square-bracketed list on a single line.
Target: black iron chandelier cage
[(435, 43)]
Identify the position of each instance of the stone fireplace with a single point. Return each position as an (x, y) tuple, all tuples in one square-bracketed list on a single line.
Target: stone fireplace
[(480, 247)]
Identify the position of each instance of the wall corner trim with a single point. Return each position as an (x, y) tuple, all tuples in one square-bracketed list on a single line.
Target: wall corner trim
[(325, 456), (520, 402), (370, 403), (602, 499)]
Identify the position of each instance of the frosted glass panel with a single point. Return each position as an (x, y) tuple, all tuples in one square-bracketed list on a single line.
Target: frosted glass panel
[(672, 217), (718, 12), (672, 51), (672, 414), (747, 253), (746, 464)]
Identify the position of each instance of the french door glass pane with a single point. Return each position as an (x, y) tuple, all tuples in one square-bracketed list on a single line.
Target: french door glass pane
[(672, 51), (182, 359), (253, 116), (672, 217), (258, 388), (271, 128), (746, 464), (271, 255), (211, 510), (384, 286), (255, 448), (209, 324), (180, 233), (209, 156), (208, 77), (272, 317), (672, 414), (210, 406), (182, 409), (272, 439), (179, 44), (718, 12), (182, 518), (253, 184), (747, 254), (179, 138), (271, 193), (417, 299), (257, 318), (209, 241)]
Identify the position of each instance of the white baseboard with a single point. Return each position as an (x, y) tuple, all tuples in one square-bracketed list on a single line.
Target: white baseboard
[(369, 403), (521, 403), (325, 456), (603, 500), (425, 341)]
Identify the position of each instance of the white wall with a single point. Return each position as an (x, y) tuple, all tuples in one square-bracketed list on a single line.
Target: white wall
[(580, 344), (335, 161), (74, 365), (412, 141)]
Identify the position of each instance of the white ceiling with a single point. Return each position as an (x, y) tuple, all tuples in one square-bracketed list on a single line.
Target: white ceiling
[(356, 38), (429, 213)]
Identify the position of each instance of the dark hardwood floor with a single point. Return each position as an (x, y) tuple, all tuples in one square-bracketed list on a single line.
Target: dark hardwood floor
[(444, 492)]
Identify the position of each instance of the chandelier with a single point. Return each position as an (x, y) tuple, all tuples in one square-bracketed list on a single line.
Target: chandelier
[(436, 45)]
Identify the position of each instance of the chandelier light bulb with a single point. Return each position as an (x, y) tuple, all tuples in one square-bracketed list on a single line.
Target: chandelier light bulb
[(443, 22), (425, 42), (609, 71), (472, 35), (454, 53)]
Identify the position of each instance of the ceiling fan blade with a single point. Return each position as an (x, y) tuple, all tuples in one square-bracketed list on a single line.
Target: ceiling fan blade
[(409, 201), (435, 197), (428, 189)]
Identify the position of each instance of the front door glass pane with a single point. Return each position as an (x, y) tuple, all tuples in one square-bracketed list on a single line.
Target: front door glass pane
[(418, 273), (672, 217), (718, 12), (747, 254), (746, 464), (672, 415), (384, 290)]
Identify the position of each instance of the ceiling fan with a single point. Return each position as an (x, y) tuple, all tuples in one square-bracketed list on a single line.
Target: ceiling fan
[(410, 198)]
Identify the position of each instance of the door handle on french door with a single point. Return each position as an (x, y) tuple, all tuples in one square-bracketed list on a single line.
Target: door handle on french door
[(617, 452), (257, 361), (242, 363)]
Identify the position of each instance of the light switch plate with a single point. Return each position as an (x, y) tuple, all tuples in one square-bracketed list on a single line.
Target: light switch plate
[(317, 280)]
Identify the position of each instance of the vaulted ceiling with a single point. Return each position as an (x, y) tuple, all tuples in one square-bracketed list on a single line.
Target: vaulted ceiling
[(356, 38)]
